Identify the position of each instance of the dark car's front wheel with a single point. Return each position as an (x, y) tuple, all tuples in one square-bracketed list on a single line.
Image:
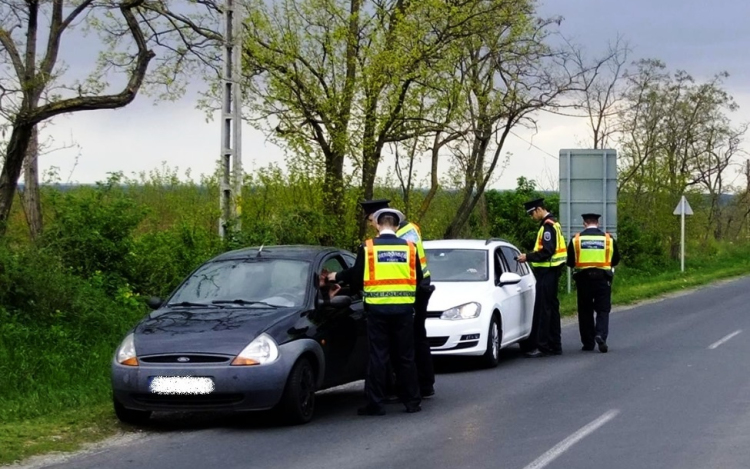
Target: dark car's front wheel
[(298, 402), (130, 416)]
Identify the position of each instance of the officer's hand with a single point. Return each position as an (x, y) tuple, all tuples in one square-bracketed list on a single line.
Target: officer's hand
[(521, 258)]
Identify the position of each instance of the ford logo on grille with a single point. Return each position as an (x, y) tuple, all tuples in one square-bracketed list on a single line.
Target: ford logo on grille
[(183, 359)]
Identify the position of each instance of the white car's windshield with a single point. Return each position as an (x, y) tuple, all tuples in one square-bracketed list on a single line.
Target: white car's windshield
[(457, 265), (277, 282)]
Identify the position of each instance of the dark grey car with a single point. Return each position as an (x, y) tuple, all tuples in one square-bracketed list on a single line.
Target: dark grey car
[(251, 329)]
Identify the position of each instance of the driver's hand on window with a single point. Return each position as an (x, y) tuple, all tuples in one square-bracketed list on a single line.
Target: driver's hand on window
[(333, 290), (323, 279)]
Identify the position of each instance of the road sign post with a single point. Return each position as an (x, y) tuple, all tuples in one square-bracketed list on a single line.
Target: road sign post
[(682, 209)]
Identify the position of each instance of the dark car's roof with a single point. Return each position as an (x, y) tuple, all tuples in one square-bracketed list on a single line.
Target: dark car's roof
[(297, 251)]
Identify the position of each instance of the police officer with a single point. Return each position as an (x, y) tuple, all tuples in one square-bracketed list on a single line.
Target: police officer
[(547, 261), (593, 254), (388, 270), (422, 356)]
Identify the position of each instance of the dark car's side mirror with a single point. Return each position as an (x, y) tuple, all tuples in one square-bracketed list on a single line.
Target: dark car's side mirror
[(154, 302), (509, 278), (338, 301)]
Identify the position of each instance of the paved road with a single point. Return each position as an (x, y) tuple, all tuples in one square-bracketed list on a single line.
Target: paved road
[(669, 394)]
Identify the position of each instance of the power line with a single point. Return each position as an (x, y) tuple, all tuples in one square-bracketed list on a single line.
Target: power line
[(531, 144)]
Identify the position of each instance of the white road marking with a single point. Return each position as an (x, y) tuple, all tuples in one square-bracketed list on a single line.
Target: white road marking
[(564, 445), (719, 342)]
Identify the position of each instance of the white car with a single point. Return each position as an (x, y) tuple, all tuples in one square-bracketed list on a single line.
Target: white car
[(483, 299)]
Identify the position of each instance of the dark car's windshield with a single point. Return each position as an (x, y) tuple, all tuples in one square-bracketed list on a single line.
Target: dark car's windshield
[(277, 282), (457, 265)]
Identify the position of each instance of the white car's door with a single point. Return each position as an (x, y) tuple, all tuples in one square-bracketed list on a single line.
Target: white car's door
[(527, 291), (510, 300)]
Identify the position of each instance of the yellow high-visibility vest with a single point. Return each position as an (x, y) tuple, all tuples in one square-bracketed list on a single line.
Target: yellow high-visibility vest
[(593, 251), (561, 252), (390, 273), (411, 232)]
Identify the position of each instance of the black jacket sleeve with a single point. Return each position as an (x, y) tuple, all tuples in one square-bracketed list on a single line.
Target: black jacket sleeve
[(571, 261), (420, 277), (549, 246), (355, 275)]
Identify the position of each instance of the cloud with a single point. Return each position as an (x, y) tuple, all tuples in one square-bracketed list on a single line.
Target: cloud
[(142, 136)]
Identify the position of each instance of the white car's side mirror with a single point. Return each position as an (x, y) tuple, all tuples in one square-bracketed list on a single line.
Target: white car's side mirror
[(509, 278)]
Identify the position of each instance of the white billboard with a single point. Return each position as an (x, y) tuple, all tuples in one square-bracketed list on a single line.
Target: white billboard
[(588, 184)]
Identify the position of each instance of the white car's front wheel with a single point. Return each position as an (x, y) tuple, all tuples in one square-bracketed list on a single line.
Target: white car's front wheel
[(491, 356)]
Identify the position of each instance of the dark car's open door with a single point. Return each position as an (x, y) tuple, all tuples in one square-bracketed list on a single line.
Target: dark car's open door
[(341, 329)]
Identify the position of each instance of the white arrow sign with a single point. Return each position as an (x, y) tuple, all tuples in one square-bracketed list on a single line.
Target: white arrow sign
[(683, 207)]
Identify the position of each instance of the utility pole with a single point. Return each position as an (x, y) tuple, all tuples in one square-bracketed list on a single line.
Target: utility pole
[(230, 185)]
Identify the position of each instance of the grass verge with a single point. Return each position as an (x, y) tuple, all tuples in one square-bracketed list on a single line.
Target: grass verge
[(90, 418), (62, 431)]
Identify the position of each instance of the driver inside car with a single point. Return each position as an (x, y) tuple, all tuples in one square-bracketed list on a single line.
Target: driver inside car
[(327, 289)]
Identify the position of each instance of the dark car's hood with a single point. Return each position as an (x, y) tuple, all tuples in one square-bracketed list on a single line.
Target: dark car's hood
[(201, 330)]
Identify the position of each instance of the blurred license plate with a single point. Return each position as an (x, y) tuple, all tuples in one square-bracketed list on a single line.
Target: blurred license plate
[(181, 385)]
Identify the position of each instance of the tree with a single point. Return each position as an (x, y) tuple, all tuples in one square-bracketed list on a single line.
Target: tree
[(676, 137), (601, 98), (341, 80), (509, 71), (300, 60), (507, 220), (36, 88), (402, 63)]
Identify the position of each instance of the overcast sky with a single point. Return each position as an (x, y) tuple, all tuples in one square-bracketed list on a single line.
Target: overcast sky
[(702, 37)]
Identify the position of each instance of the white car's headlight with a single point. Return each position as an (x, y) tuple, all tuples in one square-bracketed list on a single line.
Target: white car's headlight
[(260, 351), (467, 311), (126, 352)]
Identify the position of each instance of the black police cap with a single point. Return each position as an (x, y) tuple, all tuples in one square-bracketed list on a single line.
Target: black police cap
[(532, 204), (372, 206), (590, 216)]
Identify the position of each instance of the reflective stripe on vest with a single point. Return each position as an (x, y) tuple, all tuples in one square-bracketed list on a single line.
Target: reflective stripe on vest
[(561, 252), (593, 251), (390, 273), (411, 232)]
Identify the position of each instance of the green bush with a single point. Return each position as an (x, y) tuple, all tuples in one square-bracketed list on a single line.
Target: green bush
[(639, 248), (92, 230), (160, 260), (58, 333), (507, 217)]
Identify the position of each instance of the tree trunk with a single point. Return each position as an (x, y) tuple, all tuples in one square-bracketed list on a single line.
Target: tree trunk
[(483, 215), (462, 214), (369, 168), (333, 191), (434, 182), (475, 179), (18, 145), (31, 199)]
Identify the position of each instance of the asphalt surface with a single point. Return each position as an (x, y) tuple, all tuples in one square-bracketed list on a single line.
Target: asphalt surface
[(668, 394)]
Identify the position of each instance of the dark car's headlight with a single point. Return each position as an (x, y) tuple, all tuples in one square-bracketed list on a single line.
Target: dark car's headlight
[(261, 351), (467, 311), (126, 352)]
